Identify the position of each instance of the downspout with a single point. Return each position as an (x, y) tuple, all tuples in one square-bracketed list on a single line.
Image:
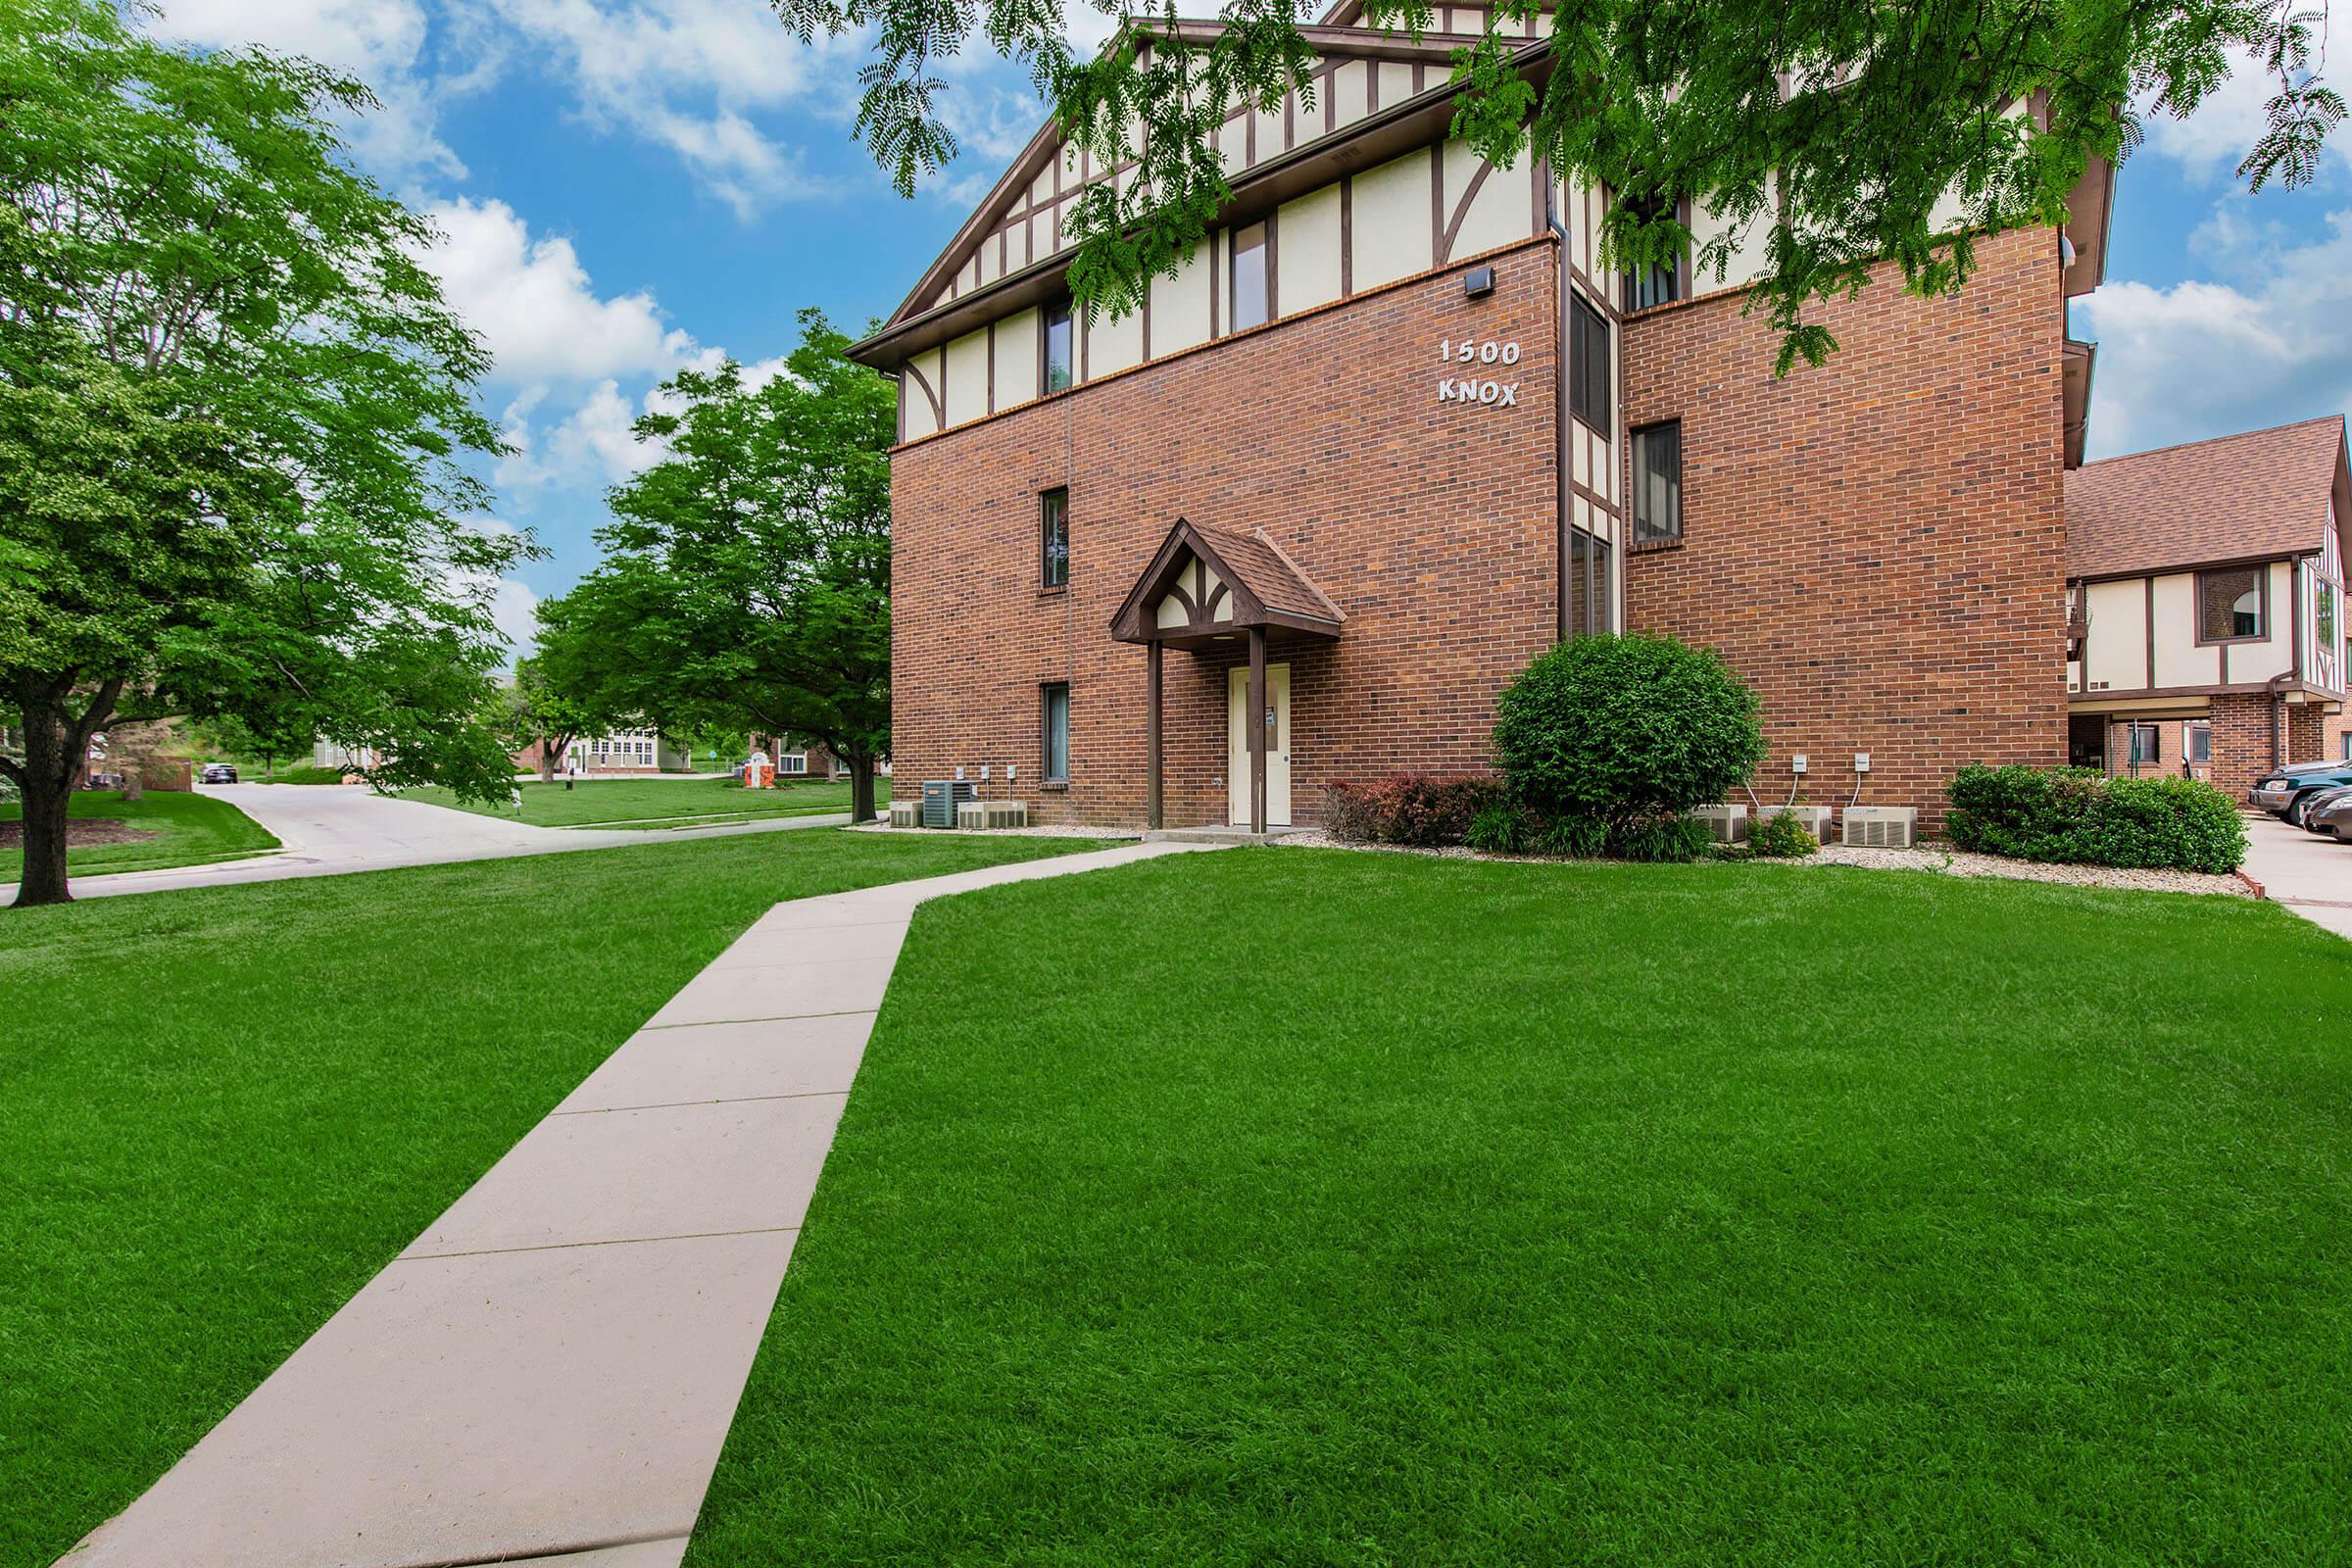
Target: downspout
[(1559, 406)]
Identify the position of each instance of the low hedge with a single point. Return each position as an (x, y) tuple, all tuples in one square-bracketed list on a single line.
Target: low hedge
[(2076, 815)]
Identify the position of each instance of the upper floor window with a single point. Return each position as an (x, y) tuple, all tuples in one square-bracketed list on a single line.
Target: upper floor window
[(1054, 538), (1253, 281), (2323, 615), (1658, 483), (2233, 606), (1589, 365), (1053, 722), (1654, 285), (1056, 347)]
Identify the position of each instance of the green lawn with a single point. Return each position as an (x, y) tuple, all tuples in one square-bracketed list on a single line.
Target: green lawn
[(653, 802), (222, 1111), (1292, 1207), (190, 830)]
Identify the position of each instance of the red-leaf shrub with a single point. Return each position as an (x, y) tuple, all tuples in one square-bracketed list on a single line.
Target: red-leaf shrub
[(1421, 809)]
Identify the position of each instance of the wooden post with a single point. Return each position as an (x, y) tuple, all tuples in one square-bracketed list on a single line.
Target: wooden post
[(1255, 720), (1151, 801)]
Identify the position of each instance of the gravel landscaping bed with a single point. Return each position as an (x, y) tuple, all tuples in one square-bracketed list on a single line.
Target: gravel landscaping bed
[(1045, 830), (1948, 863)]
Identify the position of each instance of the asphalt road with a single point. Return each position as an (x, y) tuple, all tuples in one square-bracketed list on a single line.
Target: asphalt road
[(329, 829)]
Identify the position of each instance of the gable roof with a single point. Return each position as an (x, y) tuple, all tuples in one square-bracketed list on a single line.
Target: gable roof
[(932, 292), (2261, 495), (1267, 588)]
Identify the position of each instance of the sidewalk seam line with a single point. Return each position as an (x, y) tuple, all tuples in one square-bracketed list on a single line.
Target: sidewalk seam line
[(718, 1099), (609, 1240)]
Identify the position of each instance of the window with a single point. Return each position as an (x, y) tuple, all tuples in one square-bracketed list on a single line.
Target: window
[(1056, 346), (1054, 704), (792, 762), (1654, 285), (1588, 364), (2323, 610), (2344, 741), (2144, 748), (1054, 538), (1588, 584), (1253, 288), (2196, 740), (1658, 483), (2233, 606)]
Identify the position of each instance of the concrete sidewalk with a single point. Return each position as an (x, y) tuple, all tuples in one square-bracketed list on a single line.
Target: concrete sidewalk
[(551, 1368), (2302, 872)]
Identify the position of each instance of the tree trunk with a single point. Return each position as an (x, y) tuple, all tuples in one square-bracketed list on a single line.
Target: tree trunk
[(48, 790), (546, 763), (134, 782), (861, 786)]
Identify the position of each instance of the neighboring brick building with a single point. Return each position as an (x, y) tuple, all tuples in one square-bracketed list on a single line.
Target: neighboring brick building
[(1390, 433), (2206, 586)]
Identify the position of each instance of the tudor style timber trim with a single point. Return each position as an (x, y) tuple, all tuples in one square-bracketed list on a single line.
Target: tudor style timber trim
[(1277, 324)]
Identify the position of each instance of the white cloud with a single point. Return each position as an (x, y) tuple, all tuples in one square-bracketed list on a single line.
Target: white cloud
[(513, 606), (380, 42), (2210, 143), (536, 308), (689, 75), (2202, 358)]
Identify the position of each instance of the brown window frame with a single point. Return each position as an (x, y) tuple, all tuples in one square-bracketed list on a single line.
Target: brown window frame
[(1630, 285), (1633, 501), (1588, 335), (1047, 777), (1045, 337), (2261, 582), (1046, 559), (1232, 281)]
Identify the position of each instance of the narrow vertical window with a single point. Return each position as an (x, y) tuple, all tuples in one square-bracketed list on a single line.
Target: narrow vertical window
[(1589, 382), (1654, 285), (1251, 296), (1054, 719), (1658, 483), (2196, 740), (1056, 347), (1054, 538)]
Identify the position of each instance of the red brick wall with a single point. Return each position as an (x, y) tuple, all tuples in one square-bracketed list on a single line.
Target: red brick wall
[(1433, 526), (1874, 546)]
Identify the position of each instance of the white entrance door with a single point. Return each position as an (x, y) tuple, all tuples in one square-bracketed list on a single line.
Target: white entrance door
[(1277, 746)]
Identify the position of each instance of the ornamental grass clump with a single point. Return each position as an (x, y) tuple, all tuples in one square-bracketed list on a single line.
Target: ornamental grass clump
[(1612, 741)]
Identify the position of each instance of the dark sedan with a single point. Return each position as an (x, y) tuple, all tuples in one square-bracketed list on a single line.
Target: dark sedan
[(219, 773)]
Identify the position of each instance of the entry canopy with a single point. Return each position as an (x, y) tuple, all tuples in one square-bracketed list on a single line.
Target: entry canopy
[(1207, 584)]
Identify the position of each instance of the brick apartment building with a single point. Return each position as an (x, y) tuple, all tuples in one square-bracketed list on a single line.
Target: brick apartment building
[(2206, 592), (1390, 432)]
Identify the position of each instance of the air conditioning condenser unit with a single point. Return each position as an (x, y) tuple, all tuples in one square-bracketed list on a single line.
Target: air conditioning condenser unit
[(1882, 827), (1815, 819), (1729, 823)]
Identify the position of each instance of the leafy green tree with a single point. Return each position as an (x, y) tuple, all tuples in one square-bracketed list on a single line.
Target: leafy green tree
[(1834, 127), (745, 578), (232, 404), (533, 711)]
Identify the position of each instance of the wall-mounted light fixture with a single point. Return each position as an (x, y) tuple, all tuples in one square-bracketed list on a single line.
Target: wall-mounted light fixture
[(1478, 281)]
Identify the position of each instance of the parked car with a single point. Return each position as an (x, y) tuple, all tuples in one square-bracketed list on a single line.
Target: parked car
[(2328, 814), (2287, 791), (219, 773)]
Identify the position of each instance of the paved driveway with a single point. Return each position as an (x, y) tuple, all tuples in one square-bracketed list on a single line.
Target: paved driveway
[(2308, 875), (328, 829)]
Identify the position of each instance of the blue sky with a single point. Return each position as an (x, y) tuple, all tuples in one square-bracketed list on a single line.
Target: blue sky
[(631, 186)]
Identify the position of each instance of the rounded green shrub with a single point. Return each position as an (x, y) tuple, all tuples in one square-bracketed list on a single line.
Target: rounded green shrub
[(1779, 835), (1627, 730)]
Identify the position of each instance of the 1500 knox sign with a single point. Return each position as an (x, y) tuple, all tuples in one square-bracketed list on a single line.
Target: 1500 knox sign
[(1467, 387)]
